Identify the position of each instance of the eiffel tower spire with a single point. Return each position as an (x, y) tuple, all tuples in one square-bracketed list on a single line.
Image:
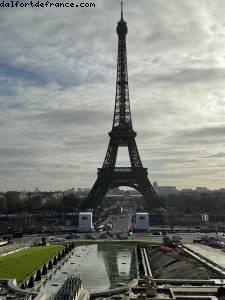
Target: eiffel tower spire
[(121, 135), (122, 114), (121, 10)]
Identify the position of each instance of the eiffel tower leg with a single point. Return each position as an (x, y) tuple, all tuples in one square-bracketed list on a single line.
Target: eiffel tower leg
[(111, 154), (97, 193), (148, 192), (134, 155)]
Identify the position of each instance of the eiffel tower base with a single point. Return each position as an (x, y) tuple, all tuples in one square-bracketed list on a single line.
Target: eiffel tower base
[(109, 178)]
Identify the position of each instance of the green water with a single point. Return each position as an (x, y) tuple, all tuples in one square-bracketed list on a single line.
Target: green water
[(101, 267)]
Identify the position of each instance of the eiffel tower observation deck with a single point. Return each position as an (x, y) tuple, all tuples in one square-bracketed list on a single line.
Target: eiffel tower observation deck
[(121, 135)]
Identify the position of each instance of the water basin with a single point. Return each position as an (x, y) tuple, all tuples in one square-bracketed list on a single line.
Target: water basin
[(107, 266)]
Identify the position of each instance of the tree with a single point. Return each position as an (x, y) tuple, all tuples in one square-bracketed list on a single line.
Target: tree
[(31, 282), (12, 202), (70, 202), (44, 270), (2, 204), (50, 265), (38, 275), (34, 204)]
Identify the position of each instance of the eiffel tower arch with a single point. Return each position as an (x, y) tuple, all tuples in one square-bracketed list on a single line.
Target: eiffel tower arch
[(121, 135)]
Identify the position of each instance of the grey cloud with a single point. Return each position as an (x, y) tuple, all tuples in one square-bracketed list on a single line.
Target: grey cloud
[(80, 117), (205, 132), (168, 163), (36, 165), (217, 155), (192, 75), (12, 152), (195, 138), (51, 45), (58, 86), (89, 141)]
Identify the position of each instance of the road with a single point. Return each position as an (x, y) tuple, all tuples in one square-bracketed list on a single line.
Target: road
[(120, 224)]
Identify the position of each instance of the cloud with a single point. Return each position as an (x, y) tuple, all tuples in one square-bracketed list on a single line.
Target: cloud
[(16, 152), (205, 132), (74, 117), (217, 155), (57, 91), (193, 75)]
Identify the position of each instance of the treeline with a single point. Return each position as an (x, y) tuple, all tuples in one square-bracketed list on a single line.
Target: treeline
[(213, 203), (180, 204), (12, 202)]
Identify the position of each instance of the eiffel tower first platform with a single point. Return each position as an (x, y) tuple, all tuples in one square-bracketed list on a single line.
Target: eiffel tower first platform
[(122, 135)]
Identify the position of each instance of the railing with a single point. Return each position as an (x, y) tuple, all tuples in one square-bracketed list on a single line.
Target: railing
[(122, 170)]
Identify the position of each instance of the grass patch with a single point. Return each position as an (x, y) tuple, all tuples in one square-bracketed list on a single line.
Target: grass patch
[(19, 265)]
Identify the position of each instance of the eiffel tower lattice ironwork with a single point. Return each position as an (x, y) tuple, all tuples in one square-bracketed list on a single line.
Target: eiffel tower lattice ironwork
[(122, 135)]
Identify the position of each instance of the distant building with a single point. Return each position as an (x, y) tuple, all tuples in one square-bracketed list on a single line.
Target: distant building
[(35, 194), (116, 192), (165, 190), (69, 192), (36, 190), (202, 189), (187, 191), (82, 192), (57, 195), (23, 196)]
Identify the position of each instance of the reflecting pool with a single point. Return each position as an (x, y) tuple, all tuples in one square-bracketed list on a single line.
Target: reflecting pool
[(100, 266)]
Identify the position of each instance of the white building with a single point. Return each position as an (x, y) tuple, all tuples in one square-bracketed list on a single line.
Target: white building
[(142, 221), (85, 221)]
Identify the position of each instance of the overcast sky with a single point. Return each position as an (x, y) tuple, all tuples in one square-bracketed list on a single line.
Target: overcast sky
[(57, 89)]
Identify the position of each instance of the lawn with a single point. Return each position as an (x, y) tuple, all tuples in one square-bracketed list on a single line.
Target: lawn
[(19, 265)]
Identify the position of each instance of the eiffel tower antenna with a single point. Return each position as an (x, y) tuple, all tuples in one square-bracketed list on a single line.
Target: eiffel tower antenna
[(121, 10), (121, 135)]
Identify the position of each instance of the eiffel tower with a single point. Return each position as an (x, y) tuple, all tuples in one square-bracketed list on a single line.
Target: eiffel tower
[(122, 135)]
